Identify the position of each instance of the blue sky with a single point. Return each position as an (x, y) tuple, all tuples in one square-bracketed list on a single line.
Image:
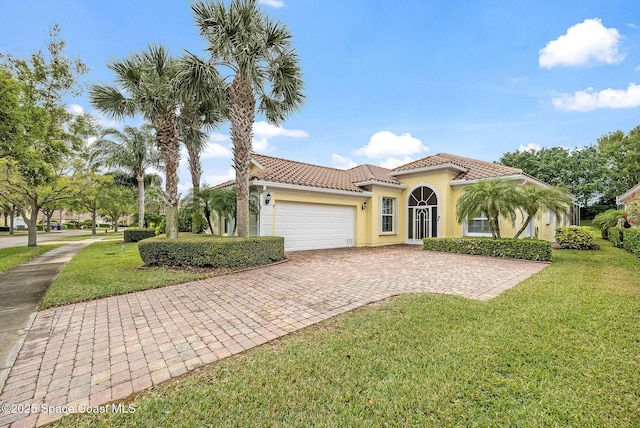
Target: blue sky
[(388, 82)]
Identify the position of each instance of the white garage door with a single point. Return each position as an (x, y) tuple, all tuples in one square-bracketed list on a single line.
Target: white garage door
[(314, 226)]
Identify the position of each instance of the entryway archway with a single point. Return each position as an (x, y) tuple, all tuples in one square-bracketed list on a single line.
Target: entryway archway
[(422, 214)]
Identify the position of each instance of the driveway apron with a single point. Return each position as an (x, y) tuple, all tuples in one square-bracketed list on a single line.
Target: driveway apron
[(88, 354)]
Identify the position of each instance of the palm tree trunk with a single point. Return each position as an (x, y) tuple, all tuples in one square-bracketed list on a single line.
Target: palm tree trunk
[(524, 226), (195, 167), (495, 218), (140, 178), (169, 146), (242, 109)]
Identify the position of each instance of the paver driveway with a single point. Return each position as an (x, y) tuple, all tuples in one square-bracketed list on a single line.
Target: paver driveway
[(94, 352)]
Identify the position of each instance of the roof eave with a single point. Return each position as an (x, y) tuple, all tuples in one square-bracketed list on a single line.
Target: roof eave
[(380, 183), (288, 186), (447, 165), (500, 177), (627, 195)]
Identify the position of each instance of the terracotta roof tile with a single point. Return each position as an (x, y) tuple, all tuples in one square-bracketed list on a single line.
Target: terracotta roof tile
[(286, 171), (366, 172), (303, 174), (475, 169)]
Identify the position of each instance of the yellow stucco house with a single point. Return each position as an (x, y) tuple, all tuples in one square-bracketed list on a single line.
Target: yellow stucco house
[(316, 207)]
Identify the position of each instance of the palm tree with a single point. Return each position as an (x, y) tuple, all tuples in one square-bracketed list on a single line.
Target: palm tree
[(200, 112), (132, 150), (266, 74), (146, 84), (224, 201), (493, 198), (551, 199)]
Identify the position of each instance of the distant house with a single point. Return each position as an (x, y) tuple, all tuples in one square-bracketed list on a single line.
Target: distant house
[(626, 197), (316, 207)]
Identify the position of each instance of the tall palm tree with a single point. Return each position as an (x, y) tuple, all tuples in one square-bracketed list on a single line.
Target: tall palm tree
[(493, 198), (201, 112), (265, 75), (146, 84), (534, 199), (131, 150)]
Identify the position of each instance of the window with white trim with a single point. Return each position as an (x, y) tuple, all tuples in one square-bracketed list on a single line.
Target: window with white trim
[(478, 226), (388, 214)]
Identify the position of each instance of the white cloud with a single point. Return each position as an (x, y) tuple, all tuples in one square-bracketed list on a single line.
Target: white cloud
[(104, 121), (637, 68), (272, 3), (75, 109), (263, 131), (531, 147), (391, 163), (267, 130), (387, 144), (214, 179), (589, 99), (583, 44), (342, 162), (216, 151)]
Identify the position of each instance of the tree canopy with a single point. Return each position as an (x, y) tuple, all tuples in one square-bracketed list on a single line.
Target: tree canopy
[(622, 157), (35, 153), (581, 171)]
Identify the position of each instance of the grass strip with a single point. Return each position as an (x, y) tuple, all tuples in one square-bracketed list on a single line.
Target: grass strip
[(560, 349), (109, 268), (10, 257)]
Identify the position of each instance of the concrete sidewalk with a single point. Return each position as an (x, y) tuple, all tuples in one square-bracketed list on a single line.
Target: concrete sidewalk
[(21, 290), (91, 353)]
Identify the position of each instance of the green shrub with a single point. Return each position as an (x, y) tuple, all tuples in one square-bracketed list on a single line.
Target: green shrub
[(135, 235), (576, 238), (608, 220), (616, 235), (4, 228), (631, 241), (214, 251), (528, 249)]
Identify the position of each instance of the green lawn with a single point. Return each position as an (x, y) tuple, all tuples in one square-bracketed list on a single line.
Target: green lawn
[(560, 349), (111, 235), (10, 257), (101, 270)]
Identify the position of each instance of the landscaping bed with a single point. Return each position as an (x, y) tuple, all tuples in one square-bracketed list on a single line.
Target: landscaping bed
[(527, 249)]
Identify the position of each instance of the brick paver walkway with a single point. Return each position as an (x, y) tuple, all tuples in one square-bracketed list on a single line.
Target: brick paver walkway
[(88, 354)]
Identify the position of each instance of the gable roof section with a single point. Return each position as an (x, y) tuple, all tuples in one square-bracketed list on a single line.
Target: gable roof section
[(370, 173), (469, 169), (302, 174)]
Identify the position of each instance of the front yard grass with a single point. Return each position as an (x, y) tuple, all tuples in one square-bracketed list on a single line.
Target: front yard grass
[(10, 257), (111, 235), (560, 349), (102, 269)]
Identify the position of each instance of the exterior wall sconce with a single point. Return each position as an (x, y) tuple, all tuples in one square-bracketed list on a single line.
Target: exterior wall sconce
[(364, 205), (267, 199)]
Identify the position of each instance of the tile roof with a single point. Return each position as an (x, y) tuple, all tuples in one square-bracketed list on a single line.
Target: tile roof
[(286, 171), (303, 174), (475, 169), (366, 172)]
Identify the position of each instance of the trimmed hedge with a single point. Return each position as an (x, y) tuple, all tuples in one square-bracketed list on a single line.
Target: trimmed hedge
[(212, 251), (4, 228), (576, 238), (616, 236), (631, 241), (135, 235), (527, 249)]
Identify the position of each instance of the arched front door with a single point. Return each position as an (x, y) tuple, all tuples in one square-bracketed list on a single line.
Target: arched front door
[(422, 215)]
